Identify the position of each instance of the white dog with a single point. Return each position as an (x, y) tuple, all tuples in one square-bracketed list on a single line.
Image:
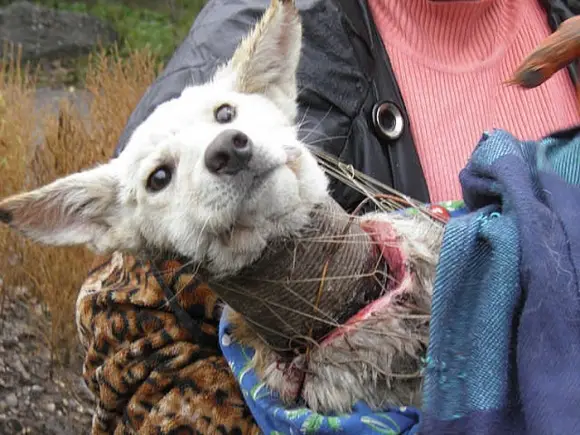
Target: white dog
[(218, 176)]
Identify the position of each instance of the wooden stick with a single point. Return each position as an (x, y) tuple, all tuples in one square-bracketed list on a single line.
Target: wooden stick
[(554, 53)]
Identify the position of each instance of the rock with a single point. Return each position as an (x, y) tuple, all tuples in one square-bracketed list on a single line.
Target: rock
[(20, 368), (10, 343), (11, 400), (47, 99), (50, 407), (14, 426), (37, 389), (49, 34)]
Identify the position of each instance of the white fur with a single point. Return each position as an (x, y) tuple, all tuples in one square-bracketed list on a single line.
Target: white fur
[(223, 220)]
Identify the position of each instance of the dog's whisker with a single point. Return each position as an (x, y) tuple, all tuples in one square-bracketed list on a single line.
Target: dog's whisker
[(318, 124)]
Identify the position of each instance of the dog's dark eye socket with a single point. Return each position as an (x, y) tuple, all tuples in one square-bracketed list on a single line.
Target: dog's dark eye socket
[(159, 179), (224, 114)]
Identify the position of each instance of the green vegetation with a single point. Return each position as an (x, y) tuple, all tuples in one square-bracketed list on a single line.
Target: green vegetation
[(157, 25)]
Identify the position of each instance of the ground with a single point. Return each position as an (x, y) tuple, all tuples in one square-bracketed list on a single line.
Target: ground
[(36, 395)]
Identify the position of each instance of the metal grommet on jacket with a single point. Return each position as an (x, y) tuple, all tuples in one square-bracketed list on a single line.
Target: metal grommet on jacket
[(388, 120)]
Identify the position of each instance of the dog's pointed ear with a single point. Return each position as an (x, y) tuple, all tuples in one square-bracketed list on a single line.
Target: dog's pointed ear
[(70, 211), (267, 59)]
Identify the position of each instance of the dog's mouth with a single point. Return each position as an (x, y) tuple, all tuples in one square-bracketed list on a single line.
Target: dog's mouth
[(259, 181), (253, 178), (226, 237), (257, 185), (244, 224)]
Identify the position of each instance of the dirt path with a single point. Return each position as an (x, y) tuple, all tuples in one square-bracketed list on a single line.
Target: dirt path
[(32, 399)]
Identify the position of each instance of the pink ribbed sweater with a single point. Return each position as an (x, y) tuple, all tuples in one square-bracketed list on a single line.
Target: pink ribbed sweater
[(450, 58)]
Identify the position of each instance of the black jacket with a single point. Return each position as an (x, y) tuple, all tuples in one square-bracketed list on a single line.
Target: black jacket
[(344, 78)]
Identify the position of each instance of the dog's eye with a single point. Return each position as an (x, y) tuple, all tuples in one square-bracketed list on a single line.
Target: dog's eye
[(225, 114), (159, 179)]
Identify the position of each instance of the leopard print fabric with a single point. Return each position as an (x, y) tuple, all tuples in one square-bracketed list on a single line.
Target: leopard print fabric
[(149, 372)]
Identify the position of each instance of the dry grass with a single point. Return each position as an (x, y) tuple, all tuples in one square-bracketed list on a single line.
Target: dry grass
[(70, 144)]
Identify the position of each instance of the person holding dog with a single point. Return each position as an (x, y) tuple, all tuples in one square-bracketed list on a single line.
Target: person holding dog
[(402, 90)]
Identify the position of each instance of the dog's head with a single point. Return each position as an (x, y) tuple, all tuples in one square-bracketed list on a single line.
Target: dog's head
[(212, 175)]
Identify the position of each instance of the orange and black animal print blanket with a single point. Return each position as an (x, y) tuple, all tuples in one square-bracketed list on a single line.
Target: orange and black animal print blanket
[(152, 357)]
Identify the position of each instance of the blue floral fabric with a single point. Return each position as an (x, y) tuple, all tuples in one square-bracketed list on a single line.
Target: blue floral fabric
[(275, 419)]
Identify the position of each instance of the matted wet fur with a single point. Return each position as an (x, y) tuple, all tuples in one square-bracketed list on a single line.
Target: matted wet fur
[(378, 358), (219, 177)]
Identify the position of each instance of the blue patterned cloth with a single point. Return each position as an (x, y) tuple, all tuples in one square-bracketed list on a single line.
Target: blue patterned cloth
[(505, 330), (274, 419)]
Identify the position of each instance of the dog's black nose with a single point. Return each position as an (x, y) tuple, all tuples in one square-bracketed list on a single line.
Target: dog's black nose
[(229, 153)]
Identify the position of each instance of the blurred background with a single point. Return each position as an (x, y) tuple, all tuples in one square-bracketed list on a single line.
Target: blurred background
[(71, 72), (57, 33)]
